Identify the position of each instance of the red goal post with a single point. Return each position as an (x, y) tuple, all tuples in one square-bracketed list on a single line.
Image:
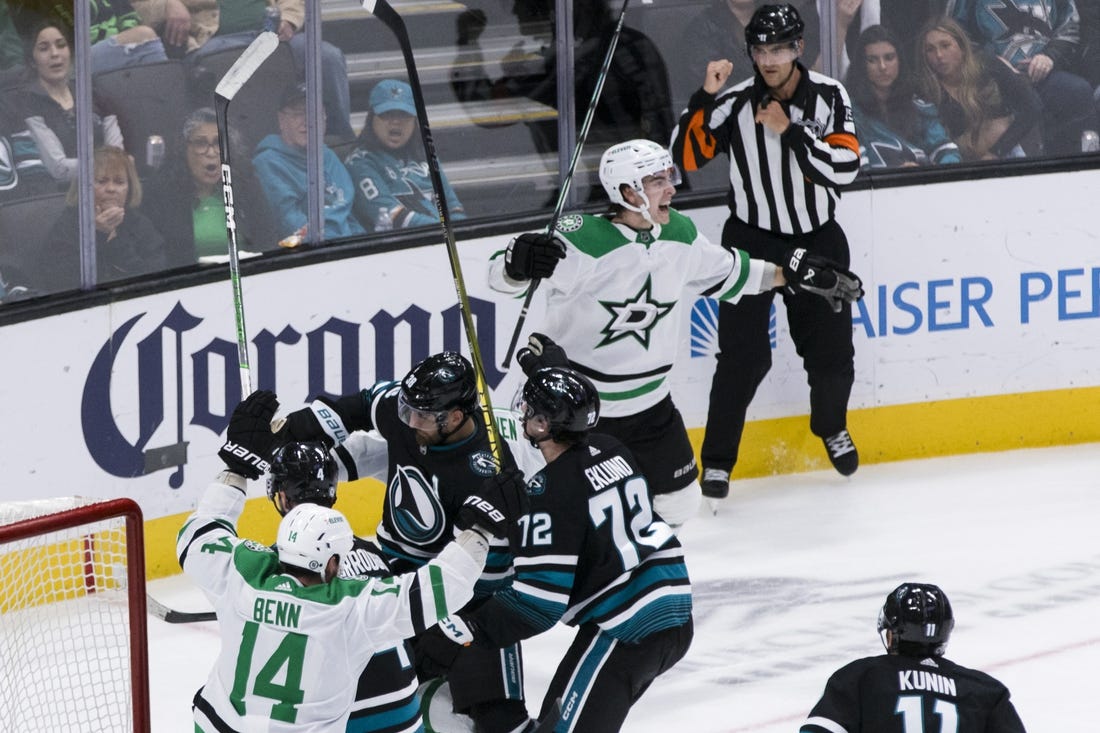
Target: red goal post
[(73, 632)]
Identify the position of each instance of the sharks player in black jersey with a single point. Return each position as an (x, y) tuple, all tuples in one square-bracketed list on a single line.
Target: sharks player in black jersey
[(385, 698), (438, 455), (913, 688), (592, 554)]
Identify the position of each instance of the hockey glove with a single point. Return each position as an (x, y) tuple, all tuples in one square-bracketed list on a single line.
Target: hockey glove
[(437, 648), (249, 439), (325, 420), (809, 273), (532, 256), (501, 501), (540, 352)]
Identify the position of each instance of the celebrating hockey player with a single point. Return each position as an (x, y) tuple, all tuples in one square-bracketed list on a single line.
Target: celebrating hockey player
[(274, 606), (913, 681), (593, 554), (615, 289), (438, 455)]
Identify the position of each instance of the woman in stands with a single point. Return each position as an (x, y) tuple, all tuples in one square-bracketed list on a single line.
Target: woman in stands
[(393, 189), (127, 243), (896, 128), (185, 199), (47, 102), (989, 109)]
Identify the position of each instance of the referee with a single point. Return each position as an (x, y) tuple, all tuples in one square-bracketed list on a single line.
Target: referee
[(791, 141)]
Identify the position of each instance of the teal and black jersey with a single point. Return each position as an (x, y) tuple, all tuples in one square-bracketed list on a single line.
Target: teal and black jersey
[(592, 552), (425, 486), (894, 693)]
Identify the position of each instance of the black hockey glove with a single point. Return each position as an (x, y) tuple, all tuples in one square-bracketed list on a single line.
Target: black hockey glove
[(809, 273), (436, 649), (249, 440), (324, 420), (501, 501), (532, 256), (540, 352)]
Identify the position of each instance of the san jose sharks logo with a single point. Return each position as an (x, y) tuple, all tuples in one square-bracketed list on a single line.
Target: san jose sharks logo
[(634, 317), (413, 506)]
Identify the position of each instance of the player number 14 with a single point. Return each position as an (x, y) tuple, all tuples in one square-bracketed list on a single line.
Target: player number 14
[(911, 710)]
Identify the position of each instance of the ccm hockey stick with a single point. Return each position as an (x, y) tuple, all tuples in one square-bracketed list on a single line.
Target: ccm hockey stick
[(382, 10), (581, 137), (164, 613), (241, 71)]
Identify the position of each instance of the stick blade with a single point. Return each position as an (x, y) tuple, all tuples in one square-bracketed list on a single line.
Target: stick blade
[(172, 616), (245, 66)]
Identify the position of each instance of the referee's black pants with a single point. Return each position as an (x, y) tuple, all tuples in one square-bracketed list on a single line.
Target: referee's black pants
[(822, 338)]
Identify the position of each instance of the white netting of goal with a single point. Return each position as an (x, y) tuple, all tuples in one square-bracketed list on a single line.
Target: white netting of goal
[(64, 623)]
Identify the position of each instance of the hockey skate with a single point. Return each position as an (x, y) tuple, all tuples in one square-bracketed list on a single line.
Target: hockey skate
[(715, 483), (842, 453)]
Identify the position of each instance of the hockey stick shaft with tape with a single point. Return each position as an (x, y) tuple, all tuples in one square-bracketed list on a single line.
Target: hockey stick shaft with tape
[(382, 10), (582, 136), (239, 73)]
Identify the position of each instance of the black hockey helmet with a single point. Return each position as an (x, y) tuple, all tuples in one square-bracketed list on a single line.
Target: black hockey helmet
[(565, 399), (442, 382), (919, 619), (305, 473), (773, 24)]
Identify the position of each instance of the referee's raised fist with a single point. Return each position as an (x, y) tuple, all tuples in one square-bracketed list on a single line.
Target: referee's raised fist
[(717, 73)]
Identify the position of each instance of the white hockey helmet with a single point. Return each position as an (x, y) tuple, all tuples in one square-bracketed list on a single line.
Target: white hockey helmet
[(629, 163), (310, 534)]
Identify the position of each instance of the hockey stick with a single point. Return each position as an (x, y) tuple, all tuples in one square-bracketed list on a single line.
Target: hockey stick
[(589, 115), (240, 72), (164, 613), (382, 10)]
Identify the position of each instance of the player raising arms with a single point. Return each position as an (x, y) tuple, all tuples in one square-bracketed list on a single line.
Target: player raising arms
[(590, 553), (438, 455), (295, 636), (615, 302)]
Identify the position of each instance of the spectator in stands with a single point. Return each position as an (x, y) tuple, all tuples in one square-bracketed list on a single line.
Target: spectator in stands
[(186, 202), (234, 23), (636, 101), (393, 185), (718, 32), (1041, 40), (903, 17), (988, 108), (281, 167), (11, 49), (127, 243), (22, 173), (47, 103), (896, 129), (120, 37)]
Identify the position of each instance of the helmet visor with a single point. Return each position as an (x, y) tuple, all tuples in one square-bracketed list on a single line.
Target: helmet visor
[(534, 425), (418, 419), (657, 182), (774, 53)]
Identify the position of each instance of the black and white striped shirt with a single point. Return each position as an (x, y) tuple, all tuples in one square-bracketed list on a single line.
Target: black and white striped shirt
[(785, 183)]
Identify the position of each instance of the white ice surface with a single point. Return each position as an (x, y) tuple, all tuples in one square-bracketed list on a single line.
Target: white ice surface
[(789, 576)]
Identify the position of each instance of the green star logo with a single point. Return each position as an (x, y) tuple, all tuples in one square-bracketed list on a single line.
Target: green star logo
[(634, 317)]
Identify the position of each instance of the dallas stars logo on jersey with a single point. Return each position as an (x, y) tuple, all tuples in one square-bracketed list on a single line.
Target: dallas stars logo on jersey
[(635, 316)]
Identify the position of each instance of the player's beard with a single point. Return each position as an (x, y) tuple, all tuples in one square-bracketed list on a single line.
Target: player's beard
[(427, 439)]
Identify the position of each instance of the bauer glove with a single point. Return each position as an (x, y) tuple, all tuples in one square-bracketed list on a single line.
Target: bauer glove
[(809, 273), (532, 256), (249, 439), (495, 508), (540, 352)]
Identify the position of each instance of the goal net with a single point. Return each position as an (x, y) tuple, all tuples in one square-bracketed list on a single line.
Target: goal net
[(73, 643)]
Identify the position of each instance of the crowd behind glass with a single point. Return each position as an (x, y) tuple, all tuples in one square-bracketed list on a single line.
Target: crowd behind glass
[(932, 83)]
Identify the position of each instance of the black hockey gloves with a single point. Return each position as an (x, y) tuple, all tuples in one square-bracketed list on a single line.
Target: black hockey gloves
[(809, 273), (325, 420), (494, 509), (532, 256), (540, 352), (249, 439)]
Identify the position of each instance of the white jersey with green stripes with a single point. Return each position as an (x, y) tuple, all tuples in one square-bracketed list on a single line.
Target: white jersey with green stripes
[(620, 300), (290, 654)]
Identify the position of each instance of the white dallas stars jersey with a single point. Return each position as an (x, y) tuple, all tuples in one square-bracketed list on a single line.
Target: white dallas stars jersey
[(619, 300), (291, 655)]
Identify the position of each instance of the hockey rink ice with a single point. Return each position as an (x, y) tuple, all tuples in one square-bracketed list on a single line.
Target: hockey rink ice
[(788, 578)]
